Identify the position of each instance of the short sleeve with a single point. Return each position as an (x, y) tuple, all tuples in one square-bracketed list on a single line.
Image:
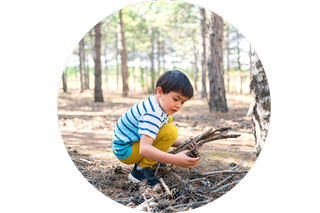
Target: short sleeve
[(149, 124)]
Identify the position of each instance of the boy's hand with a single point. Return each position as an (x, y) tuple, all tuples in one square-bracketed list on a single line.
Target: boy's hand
[(184, 161), (193, 144)]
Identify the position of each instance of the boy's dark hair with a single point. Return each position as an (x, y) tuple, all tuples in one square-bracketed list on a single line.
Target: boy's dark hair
[(175, 81)]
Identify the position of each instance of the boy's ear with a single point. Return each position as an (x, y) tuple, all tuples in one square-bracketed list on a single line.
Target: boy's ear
[(159, 90)]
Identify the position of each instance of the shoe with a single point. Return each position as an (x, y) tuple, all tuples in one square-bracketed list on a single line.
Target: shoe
[(142, 174)]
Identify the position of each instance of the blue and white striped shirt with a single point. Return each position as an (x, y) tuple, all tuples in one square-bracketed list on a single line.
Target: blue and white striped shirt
[(144, 118)]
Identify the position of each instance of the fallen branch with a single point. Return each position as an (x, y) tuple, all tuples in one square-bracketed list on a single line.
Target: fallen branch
[(208, 136), (143, 205), (224, 172), (194, 152), (185, 184), (165, 187), (84, 160), (222, 182), (188, 204), (144, 196), (187, 143), (224, 186)]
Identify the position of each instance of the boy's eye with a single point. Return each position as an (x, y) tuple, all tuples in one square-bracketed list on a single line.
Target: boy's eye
[(175, 99)]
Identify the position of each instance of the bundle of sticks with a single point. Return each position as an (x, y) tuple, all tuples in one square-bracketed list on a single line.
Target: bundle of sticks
[(208, 136)]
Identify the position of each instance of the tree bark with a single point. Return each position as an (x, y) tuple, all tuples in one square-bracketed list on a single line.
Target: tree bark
[(204, 53), (64, 81), (124, 67), (195, 66), (151, 35), (217, 101), (260, 107), (228, 60), (85, 72), (106, 67), (81, 64), (163, 58), (98, 97), (238, 61), (159, 52), (116, 57)]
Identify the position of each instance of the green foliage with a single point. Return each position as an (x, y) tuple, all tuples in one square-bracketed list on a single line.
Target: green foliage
[(175, 25)]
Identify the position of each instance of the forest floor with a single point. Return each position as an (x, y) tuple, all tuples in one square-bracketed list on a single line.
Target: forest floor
[(87, 127)]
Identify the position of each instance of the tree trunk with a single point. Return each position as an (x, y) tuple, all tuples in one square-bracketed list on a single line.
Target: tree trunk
[(163, 54), (64, 82), (195, 66), (106, 68), (217, 101), (151, 35), (87, 75), (124, 67), (228, 60), (116, 58), (98, 97), (159, 50), (260, 107), (204, 53), (238, 61), (81, 64)]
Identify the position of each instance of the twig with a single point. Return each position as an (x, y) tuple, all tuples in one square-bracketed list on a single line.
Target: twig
[(144, 196), (222, 182), (122, 201), (181, 180), (226, 172), (187, 204), (84, 160), (188, 181), (237, 166), (187, 143), (177, 199), (165, 187), (142, 205), (155, 174), (224, 186)]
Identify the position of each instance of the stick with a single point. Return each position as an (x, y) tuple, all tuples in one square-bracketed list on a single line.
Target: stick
[(187, 143), (188, 204), (224, 186), (205, 137), (237, 166), (165, 187), (141, 206), (181, 180), (84, 160), (228, 171), (155, 174), (144, 196), (122, 201), (222, 182)]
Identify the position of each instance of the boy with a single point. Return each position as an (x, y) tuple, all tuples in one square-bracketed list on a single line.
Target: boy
[(144, 133)]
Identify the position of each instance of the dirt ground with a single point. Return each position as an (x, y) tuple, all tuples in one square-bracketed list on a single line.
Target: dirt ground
[(87, 127)]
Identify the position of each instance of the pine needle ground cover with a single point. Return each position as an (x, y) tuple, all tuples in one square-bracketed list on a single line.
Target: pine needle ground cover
[(86, 128)]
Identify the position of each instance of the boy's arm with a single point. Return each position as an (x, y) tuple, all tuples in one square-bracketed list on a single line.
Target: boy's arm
[(181, 159), (179, 141)]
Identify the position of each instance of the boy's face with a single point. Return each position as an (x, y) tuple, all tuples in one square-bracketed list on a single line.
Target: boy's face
[(170, 103)]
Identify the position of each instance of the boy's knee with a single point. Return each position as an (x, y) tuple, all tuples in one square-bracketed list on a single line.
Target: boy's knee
[(171, 130)]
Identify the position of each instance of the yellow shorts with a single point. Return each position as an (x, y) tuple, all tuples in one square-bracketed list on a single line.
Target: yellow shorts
[(167, 135)]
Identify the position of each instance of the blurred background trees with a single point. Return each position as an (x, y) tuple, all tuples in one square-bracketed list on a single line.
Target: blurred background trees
[(130, 48)]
